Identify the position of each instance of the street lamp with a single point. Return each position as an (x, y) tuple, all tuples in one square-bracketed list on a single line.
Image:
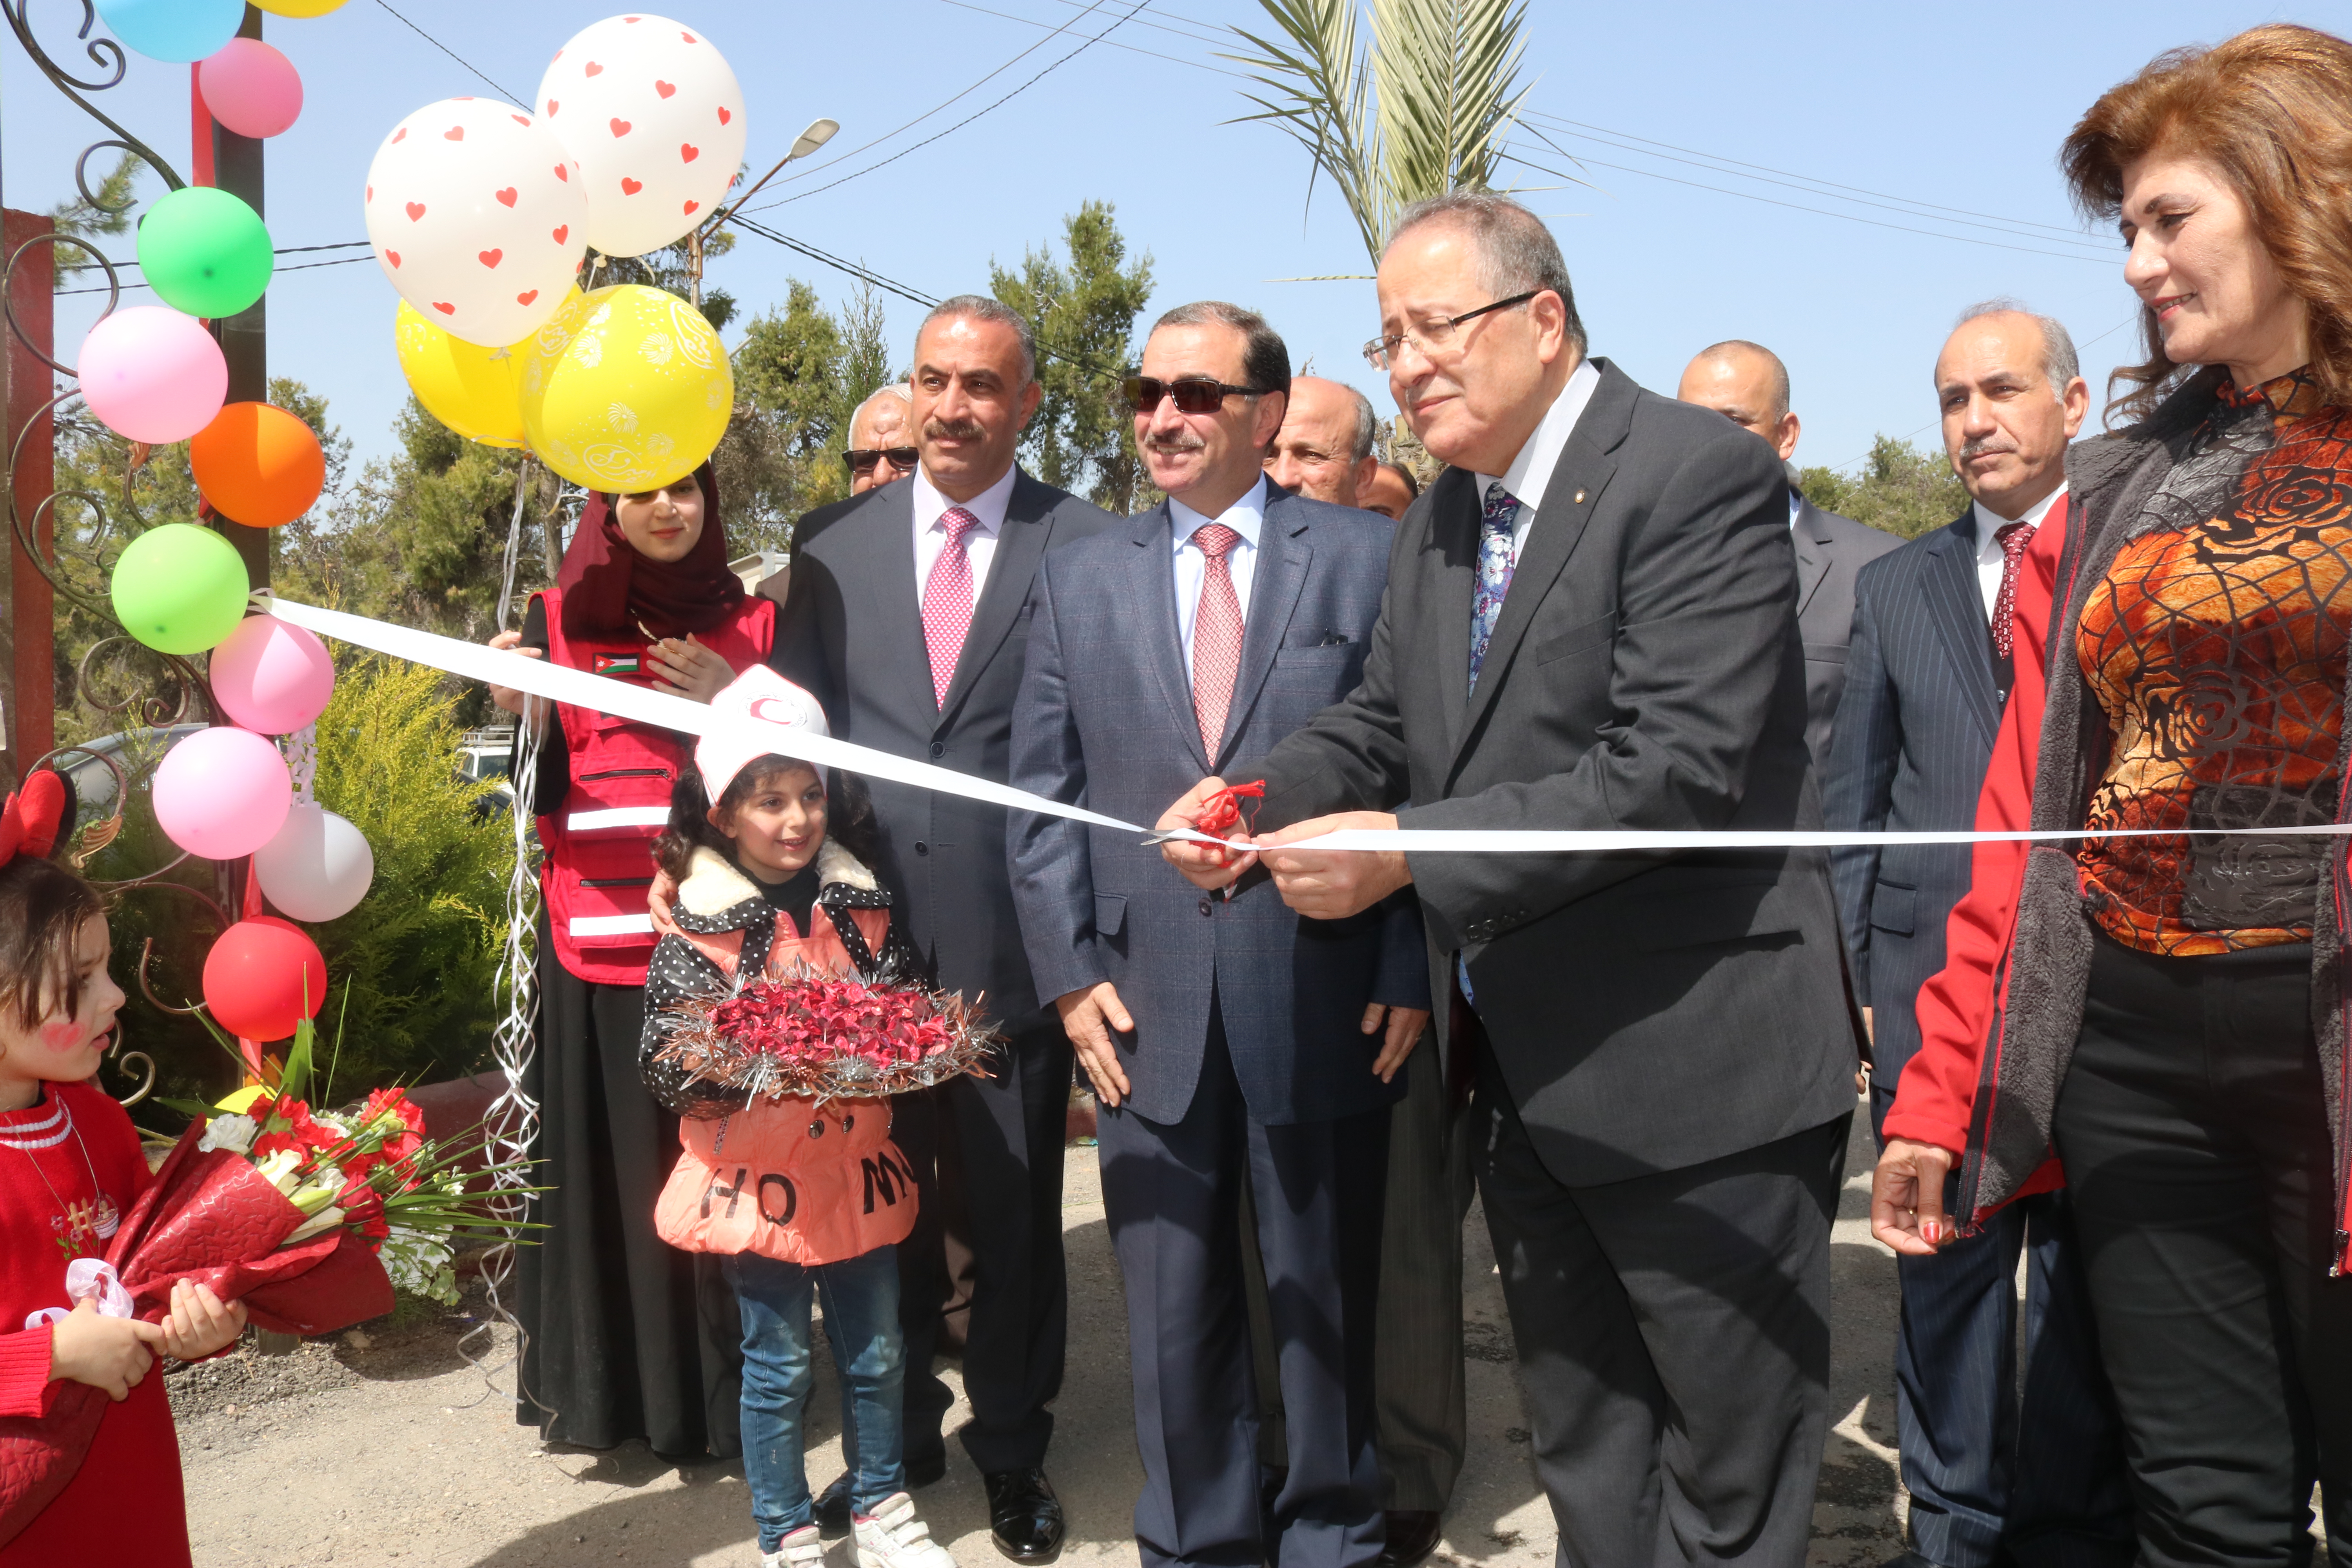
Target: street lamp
[(818, 133)]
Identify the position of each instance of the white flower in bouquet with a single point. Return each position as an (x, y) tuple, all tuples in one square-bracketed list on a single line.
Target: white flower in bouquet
[(419, 1263), (234, 1134)]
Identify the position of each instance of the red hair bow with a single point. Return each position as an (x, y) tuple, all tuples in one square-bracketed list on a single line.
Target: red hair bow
[(29, 821)]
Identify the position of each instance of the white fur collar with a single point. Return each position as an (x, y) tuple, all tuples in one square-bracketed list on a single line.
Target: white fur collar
[(714, 884)]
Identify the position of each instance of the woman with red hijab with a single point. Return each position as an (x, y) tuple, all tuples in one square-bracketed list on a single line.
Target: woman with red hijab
[(626, 1337)]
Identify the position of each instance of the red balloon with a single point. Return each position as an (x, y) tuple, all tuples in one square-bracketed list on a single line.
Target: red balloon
[(263, 977)]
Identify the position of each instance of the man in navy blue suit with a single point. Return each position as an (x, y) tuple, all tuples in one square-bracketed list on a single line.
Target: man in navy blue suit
[(1929, 666), (1232, 1043)]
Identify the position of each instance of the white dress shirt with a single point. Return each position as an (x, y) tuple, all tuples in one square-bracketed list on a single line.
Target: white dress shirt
[(979, 546), (1989, 552), (1530, 471), (1245, 517)]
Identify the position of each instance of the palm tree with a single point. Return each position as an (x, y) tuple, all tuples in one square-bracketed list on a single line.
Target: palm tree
[(1418, 111)]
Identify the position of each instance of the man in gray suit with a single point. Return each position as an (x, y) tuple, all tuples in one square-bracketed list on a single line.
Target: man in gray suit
[(908, 619), (2036, 1480), (1748, 384), (1232, 1045), (1591, 623)]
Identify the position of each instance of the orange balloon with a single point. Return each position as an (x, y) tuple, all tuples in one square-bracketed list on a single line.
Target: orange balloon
[(258, 465)]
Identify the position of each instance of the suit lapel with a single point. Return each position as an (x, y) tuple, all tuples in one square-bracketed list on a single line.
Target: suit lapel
[(1155, 596), (1284, 554), (1452, 525), (1956, 606), (1577, 480), (1811, 539), (1019, 544), (885, 536)]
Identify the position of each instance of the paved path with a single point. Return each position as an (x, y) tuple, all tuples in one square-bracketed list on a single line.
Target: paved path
[(387, 1447)]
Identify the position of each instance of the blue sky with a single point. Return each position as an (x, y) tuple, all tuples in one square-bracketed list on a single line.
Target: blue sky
[(1959, 108)]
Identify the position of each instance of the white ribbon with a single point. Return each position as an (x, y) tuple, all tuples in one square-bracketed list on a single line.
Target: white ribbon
[(86, 1279), (624, 700)]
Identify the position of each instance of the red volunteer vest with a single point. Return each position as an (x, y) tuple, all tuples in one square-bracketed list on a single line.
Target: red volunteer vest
[(599, 840)]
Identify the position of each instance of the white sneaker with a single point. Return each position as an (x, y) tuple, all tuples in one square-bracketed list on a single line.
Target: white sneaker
[(894, 1537), (802, 1549)]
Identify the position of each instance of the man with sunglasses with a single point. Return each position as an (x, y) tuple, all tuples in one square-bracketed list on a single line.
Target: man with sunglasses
[(878, 452), (1233, 1045), (1591, 623), (908, 619)]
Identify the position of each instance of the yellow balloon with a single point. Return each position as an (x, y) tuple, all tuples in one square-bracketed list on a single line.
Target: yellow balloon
[(475, 391), (625, 389), (299, 8)]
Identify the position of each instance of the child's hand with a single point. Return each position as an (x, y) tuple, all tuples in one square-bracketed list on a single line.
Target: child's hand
[(200, 1323), (111, 1353)]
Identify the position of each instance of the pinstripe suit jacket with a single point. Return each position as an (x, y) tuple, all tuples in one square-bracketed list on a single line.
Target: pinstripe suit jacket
[(1913, 736)]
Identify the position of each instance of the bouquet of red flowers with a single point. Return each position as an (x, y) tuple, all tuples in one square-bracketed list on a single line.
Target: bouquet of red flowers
[(812, 1036), (307, 1217)]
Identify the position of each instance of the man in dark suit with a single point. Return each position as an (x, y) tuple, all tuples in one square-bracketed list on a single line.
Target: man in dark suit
[(1991, 1479), (908, 618), (1233, 1046), (1591, 623), (1748, 384)]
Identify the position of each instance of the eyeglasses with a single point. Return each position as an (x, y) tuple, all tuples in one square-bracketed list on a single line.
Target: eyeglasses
[(861, 460), (1435, 334), (1193, 394)]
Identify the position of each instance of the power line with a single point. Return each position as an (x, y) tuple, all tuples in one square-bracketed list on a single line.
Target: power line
[(1130, 48), (299, 267), (1793, 206), (453, 54), (968, 119)]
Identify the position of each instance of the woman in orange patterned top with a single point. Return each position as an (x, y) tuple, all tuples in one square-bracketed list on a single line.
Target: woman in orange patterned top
[(2159, 1021)]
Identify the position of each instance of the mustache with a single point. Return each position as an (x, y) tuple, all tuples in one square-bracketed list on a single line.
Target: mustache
[(1186, 442), (952, 430), (1987, 447)]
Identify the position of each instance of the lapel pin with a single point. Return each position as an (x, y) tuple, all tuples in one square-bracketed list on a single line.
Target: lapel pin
[(1580, 499)]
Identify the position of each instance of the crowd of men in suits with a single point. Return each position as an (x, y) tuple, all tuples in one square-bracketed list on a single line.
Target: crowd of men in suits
[(1610, 609)]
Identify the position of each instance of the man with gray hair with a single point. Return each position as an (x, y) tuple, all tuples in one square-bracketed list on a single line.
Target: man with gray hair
[(1748, 384), (1323, 449), (880, 446), (906, 619), (1591, 624), (1995, 1474)]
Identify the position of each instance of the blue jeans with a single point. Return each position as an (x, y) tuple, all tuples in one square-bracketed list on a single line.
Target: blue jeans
[(861, 1320)]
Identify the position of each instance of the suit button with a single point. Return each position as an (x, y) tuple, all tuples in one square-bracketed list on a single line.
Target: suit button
[(938, 747), (1207, 908), (921, 847)]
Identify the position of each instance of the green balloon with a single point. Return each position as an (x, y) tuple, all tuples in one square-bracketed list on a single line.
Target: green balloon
[(180, 588), (205, 252)]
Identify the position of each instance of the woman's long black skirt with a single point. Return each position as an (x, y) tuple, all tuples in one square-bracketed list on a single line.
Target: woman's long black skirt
[(624, 1335)]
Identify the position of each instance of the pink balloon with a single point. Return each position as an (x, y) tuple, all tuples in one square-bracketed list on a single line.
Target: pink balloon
[(272, 676), (222, 792), (251, 88), (153, 375)]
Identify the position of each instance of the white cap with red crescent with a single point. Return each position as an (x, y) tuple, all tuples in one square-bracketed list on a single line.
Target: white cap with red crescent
[(755, 716)]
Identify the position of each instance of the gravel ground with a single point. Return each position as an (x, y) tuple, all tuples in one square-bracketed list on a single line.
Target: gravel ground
[(386, 1446)]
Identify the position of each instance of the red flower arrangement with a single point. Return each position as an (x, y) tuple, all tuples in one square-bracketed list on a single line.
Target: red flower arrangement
[(811, 1035)]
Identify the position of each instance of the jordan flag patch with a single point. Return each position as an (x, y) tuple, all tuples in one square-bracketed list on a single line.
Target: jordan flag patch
[(616, 664)]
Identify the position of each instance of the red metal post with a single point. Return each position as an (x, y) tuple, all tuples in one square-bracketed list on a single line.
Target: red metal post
[(30, 723)]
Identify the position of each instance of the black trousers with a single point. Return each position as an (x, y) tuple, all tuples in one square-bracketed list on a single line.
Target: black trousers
[(1002, 1137), (2003, 1470), (1172, 1192), (1673, 1332), (2193, 1126)]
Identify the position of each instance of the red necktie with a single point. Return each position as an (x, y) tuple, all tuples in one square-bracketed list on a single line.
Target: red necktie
[(1216, 634), (947, 600), (2015, 539)]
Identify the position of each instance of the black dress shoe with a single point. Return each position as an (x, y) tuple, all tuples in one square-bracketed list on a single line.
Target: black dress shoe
[(833, 1503), (1024, 1517), (1412, 1536)]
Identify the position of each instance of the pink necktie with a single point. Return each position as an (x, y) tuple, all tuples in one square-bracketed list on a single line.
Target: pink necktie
[(947, 601), (1216, 634)]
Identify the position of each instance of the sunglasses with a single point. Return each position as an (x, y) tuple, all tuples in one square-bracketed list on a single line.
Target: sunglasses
[(1193, 394), (861, 460)]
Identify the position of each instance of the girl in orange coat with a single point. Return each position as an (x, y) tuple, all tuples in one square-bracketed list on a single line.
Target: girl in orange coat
[(799, 1197)]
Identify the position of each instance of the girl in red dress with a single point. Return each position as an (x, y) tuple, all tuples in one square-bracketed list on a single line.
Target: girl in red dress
[(70, 1168)]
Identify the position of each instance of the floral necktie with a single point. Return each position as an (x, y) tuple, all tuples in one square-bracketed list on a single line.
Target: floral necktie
[(1495, 566)]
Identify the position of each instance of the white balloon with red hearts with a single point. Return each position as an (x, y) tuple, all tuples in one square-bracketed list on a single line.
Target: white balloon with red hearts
[(479, 218), (652, 111)]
